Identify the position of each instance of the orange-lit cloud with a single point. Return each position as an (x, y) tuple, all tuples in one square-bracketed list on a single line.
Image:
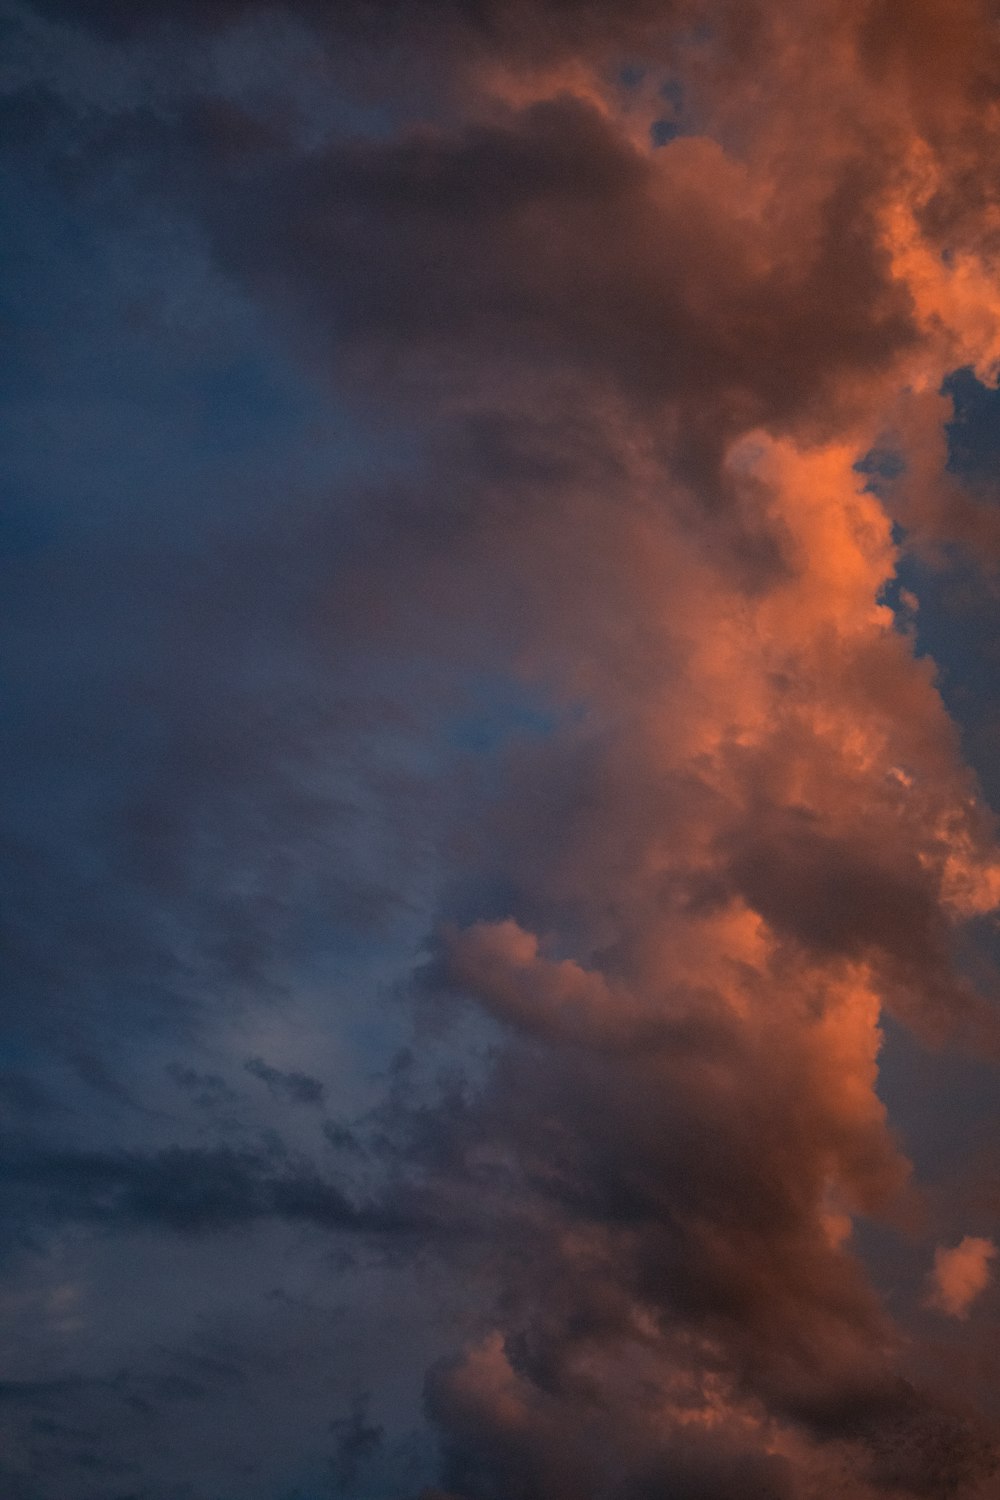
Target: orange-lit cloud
[(762, 835), (646, 378), (960, 1275)]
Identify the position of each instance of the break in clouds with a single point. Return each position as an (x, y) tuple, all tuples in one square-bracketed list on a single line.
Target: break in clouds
[(500, 892)]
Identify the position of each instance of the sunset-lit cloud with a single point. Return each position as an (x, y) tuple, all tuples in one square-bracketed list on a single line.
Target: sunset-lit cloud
[(495, 822), (960, 1275)]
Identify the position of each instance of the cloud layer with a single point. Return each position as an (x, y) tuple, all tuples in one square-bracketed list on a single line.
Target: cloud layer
[(557, 737)]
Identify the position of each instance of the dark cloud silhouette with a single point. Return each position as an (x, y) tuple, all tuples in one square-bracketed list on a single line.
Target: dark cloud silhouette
[(297, 1087), (357, 1440), (188, 1191)]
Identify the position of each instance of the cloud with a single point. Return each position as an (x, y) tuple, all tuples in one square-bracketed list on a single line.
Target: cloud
[(185, 1190), (960, 1275), (298, 1087), (628, 391)]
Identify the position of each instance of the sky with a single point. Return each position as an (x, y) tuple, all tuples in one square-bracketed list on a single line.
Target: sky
[(499, 644)]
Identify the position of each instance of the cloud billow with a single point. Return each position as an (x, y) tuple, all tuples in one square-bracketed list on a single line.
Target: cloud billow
[(611, 389)]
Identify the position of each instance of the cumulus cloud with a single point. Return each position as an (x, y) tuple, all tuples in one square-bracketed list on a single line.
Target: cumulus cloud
[(634, 386), (960, 1275)]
